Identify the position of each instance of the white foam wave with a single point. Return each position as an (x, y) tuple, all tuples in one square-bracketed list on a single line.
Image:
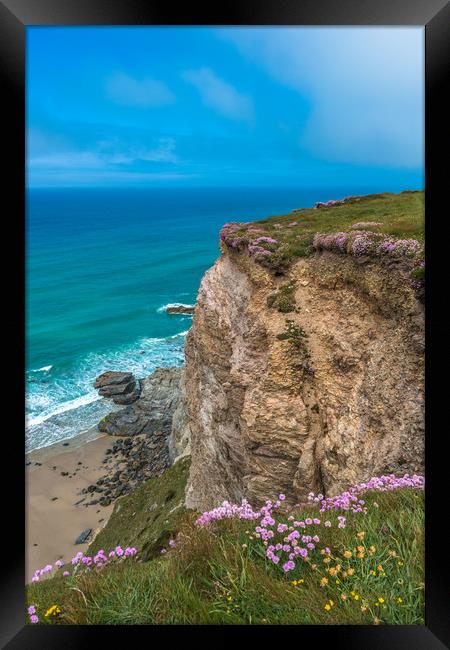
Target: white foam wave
[(43, 369), (175, 336), (66, 406), (170, 305)]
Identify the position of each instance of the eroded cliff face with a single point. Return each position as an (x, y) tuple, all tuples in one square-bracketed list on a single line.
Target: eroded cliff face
[(337, 403)]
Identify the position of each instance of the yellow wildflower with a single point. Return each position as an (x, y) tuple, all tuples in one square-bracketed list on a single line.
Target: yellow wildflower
[(324, 582), (338, 582), (52, 611), (381, 600), (332, 571), (327, 560), (356, 596), (400, 563), (327, 607), (379, 567), (301, 581), (294, 582), (360, 556), (229, 599), (399, 600), (331, 602), (361, 535), (372, 572), (347, 554), (350, 571), (372, 549)]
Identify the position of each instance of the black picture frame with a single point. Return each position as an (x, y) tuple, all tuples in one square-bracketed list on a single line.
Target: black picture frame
[(434, 16)]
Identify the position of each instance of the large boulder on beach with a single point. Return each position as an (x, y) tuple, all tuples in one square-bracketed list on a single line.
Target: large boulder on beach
[(125, 422), (121, 387)]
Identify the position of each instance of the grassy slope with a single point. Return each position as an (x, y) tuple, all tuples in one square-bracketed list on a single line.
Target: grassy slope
[(149, 516), (402, 216), (212, 578)]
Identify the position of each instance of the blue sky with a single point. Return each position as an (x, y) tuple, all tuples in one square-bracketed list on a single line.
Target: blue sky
[(196, 106)]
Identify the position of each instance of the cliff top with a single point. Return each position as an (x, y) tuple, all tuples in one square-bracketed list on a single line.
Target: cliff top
[(382, 224)]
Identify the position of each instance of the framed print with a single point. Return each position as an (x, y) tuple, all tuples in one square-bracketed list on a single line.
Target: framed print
[(220, 222)]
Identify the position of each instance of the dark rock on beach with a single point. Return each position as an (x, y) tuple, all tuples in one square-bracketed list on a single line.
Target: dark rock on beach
[(83, 536)]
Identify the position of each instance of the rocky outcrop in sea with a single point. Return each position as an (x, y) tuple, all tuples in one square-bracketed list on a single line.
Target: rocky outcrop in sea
[(140, 433), (121, 387)]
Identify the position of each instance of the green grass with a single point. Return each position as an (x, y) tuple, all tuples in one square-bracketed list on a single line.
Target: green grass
[(283, 299), (401, 215), (149, 516), (219, 575)]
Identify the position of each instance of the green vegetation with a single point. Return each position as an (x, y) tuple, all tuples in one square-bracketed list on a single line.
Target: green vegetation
[(418, 273), (219, 574), (295, 334), (299, 355), (149, 516), (283, 299), (400, 215)]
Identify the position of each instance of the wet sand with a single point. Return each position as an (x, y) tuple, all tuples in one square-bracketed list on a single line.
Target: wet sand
[(53, 521)]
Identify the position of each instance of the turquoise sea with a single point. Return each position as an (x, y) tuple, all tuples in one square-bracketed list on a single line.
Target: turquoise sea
[(101, 266)]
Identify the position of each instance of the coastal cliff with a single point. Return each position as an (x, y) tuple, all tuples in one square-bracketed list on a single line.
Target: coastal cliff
[(309, 379)]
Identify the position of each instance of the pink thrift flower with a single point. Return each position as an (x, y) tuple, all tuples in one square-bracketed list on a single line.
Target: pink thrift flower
[(34, 619)]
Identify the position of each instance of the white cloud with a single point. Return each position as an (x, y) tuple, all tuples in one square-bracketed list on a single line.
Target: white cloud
[(67, 160), (106, 153), (220, 95), (364, 87), (114, 152), (144, 93), (60, 178)]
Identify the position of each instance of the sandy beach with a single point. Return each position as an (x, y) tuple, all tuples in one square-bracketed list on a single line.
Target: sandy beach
[(55, 476)]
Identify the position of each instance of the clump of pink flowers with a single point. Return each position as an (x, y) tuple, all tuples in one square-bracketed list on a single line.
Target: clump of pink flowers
[(240, 236), (32, 614), (227, 511), (363, 242), (289, 540), (350, 500), (80, 560)]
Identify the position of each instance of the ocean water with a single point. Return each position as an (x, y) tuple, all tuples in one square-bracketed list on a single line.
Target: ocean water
[(101, 264)]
